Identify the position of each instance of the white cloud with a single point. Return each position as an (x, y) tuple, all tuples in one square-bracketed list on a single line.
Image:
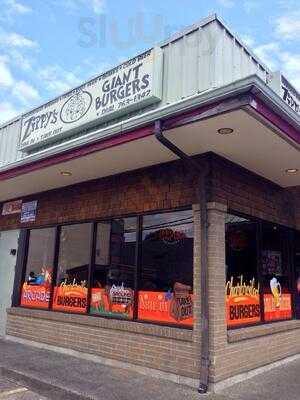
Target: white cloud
[(23, 62), (288, 26), (226, 3), (268, 53), (24, 92), (13, 39), (290, 66), (14, 6), (6, 78), (57, 80), (7, 111), (97, 6), (248, 40)]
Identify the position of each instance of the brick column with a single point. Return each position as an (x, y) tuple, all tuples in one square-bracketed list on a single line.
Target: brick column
[(197, 276), (216, 281)]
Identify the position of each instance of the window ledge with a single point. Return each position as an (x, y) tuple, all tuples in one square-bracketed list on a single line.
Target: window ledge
[(105, 323), (262, 330)]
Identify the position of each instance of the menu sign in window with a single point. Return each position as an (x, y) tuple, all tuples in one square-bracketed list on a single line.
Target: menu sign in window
[(70, 298), (277, 305), (130, 86), (242, 302), (170, 307), (114, 301)]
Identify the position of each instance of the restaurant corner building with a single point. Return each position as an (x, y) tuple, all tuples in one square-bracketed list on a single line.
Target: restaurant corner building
[(151, 216)]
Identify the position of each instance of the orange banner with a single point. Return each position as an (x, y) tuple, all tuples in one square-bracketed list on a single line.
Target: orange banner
[(164, 307), (277, 308), (242, 310), (36, 296), (72, 298), (113, 303)]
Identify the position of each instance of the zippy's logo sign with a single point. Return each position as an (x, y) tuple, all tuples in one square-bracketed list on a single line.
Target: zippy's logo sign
[(131, 85)]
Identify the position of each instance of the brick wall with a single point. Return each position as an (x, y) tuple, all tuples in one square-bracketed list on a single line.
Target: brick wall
[(159, 187), (295, 194), (168, 349), (253, 347), (164, 187), (250, 194)]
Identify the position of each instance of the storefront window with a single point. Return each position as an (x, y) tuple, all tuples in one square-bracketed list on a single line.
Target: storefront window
[(166, 275), (275, 274), (258, 270), (115, 268), (242, 286), (70, 292), (297, 272), (39, 268)]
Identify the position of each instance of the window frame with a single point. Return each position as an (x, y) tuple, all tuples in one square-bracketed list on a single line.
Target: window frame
[(289, 244), (91, 266)]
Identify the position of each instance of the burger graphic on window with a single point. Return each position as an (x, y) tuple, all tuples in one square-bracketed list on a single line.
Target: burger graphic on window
[(76, 107)]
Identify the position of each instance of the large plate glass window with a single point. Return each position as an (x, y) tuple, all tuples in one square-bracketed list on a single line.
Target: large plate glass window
[(166, 275), (71, 288), (39, 268), (242, 291), (115, 268), (275, 273), (297, 271)]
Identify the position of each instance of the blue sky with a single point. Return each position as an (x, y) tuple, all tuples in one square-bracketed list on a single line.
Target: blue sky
[(48, 46)]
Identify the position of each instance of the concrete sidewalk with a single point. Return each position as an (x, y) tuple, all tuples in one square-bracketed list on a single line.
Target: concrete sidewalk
[(59, 376)]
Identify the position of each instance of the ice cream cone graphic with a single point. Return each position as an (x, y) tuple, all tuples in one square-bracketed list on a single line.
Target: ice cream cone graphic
[(276, 291)]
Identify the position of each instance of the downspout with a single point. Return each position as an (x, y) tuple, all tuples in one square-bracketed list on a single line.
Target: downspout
[(203, 172)]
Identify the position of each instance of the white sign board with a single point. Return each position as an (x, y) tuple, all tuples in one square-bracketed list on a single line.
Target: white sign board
[(130, 86), (285, 90), (28, 213)]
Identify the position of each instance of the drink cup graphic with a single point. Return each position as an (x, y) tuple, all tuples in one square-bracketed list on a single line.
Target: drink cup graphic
[(276, 291)]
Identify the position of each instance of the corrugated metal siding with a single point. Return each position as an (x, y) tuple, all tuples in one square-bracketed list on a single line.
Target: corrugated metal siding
[(9, 137), (203, 58)]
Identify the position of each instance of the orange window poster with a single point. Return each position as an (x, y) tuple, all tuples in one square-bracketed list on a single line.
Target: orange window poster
[(35, 296), (277, 308), (277, 305), (70, 297), (242, 303), (36, 291), (114, 301), (172, 308)]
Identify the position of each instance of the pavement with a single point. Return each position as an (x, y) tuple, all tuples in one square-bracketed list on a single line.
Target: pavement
[(32, 373), (10, 390)]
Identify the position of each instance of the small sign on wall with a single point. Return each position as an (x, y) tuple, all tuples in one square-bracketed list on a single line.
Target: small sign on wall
[(12, 207), (28, 213)]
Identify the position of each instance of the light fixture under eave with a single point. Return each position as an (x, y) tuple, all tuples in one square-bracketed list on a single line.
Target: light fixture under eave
[(66, 173), (291, 170), (225, 131)]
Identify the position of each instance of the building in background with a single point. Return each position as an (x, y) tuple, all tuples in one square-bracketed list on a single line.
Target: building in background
[(157, 211)]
